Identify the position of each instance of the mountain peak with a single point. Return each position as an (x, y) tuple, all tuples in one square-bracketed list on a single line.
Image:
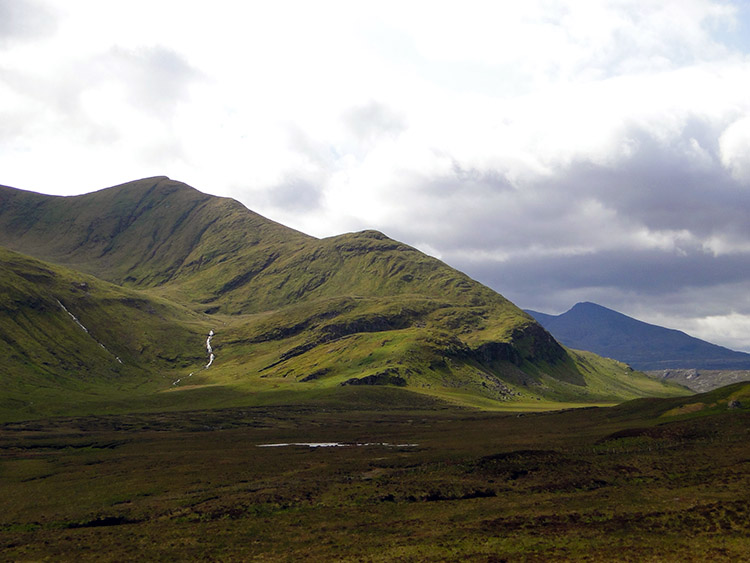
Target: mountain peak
[(589, 309), (593, 327), (587, 305), (143, 233)]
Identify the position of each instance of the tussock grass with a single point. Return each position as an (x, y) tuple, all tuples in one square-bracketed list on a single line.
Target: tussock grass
[(591, 484)]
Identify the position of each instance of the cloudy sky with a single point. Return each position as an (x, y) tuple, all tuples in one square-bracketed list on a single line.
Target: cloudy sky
[(558, 151)]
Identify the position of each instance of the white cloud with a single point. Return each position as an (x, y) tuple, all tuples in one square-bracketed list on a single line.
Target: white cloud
[(731, 330), (735, 148)]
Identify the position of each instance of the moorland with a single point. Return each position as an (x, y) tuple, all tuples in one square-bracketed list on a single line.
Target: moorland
[(411, 479)]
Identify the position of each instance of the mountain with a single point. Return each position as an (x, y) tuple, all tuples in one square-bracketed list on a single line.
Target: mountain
[(588, 326), (119, 299)]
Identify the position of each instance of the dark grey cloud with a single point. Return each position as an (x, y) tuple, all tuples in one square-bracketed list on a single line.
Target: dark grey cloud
[(678, 189), (679, 185), (664, 228), (672, 291), (24, 20), (645, 272)]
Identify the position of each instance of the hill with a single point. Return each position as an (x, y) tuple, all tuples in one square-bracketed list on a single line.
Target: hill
[(70, 338), (588, 326), (702, 380), (163, 265)]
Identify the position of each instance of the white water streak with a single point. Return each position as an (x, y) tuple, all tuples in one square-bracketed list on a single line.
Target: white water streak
[(209, 351), (79, 323), (72, 316)]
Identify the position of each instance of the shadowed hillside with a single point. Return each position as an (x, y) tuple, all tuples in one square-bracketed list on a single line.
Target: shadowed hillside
[(67, 330)]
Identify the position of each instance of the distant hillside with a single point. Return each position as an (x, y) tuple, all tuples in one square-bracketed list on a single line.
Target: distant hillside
[(588, 326), (151, 267), (702, 380)]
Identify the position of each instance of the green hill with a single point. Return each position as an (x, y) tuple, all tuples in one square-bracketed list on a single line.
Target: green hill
[(150, 267), (71, 339)]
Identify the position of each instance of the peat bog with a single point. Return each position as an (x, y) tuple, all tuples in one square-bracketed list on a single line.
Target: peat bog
[(434, 483)]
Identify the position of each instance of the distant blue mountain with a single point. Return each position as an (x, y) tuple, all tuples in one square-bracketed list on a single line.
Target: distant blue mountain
[(588, 326)]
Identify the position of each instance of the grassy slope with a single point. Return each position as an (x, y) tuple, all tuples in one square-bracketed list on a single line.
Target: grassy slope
[(53, 366), (142, 234), (133, 343), (291, 312), (216, 254)]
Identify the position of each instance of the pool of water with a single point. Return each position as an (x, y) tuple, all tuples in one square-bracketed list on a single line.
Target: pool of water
[(336, 445)]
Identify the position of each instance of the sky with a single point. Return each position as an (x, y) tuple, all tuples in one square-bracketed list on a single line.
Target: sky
[(557, 151)]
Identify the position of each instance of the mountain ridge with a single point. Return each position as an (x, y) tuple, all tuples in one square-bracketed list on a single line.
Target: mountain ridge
[(645, 346)]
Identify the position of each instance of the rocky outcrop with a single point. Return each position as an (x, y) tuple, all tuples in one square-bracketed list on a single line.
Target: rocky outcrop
[(388, 376)]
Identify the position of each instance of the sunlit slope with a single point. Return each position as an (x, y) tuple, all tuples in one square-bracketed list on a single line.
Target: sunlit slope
[(143, 233), (216, 256), (78, 345), (292, 314), (413, 344)]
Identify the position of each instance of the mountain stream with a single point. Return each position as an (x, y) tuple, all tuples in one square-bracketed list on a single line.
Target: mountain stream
[(79, 323), (211, 357)]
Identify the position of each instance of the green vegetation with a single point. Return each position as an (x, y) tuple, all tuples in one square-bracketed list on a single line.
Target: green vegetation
[(444, 400), (627, 483), (293, 315)]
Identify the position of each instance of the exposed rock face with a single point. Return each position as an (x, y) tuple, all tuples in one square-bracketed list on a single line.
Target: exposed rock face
[(535, 343), (702, 380), (387, 377)]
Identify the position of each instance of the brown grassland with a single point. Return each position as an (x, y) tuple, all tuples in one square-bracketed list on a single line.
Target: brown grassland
[(416, 481)]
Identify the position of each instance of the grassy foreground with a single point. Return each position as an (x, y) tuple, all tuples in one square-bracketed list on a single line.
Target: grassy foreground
[(650, 480)]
